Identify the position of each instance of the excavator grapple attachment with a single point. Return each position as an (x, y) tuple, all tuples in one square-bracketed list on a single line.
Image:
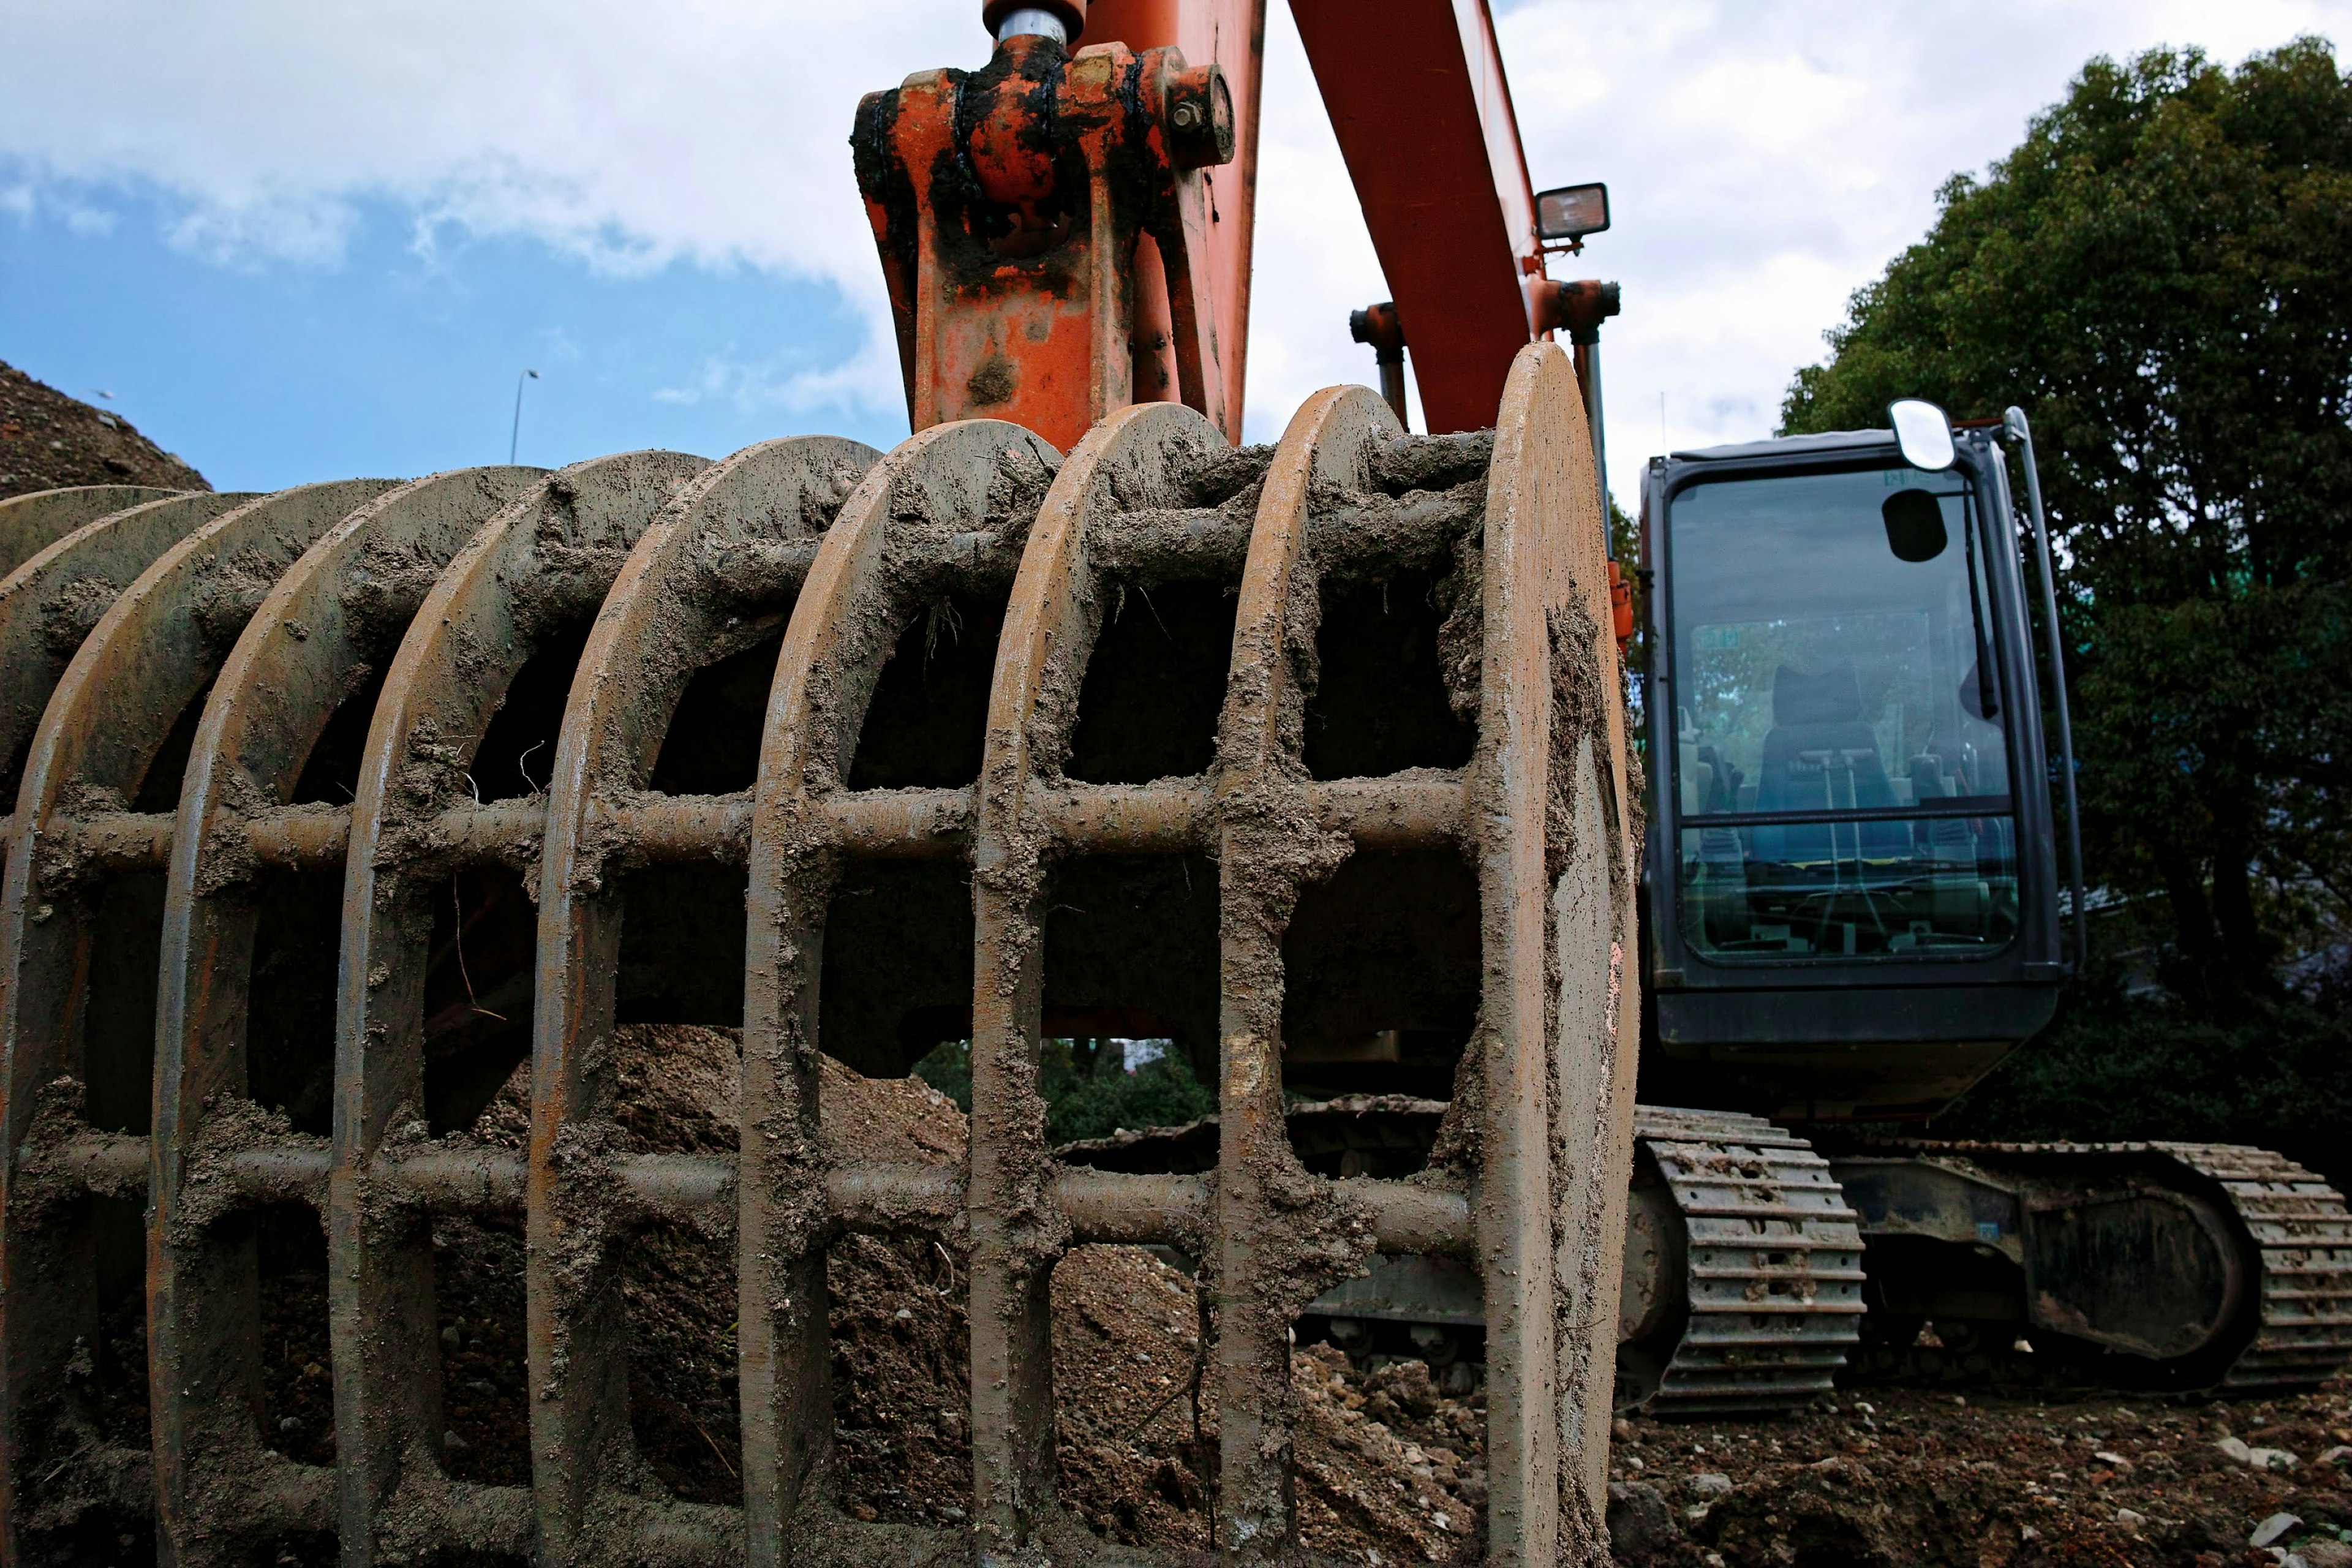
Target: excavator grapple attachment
[(336, 807)]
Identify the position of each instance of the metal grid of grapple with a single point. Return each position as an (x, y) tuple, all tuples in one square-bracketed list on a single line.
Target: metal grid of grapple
[(267, 617)]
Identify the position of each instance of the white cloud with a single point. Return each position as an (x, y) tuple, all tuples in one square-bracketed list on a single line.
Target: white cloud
[(1764, 161)]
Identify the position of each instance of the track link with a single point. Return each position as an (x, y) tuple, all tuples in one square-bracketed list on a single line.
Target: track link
[(2300, 1225), (1773, 1264)]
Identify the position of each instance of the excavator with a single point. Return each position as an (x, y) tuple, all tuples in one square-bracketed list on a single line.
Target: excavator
[(339, 810)]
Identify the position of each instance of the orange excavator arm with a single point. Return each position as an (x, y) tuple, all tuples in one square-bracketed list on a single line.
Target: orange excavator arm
[(1417, 97), (1067, 230)]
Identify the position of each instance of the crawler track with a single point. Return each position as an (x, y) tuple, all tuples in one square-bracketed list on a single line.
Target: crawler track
[(1774, 1276), (2294, 1238)]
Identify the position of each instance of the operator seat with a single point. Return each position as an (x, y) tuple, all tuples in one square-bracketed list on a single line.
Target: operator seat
[(1820, 755)]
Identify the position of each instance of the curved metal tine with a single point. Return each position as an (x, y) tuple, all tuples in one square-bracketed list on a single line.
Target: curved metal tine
[(1269, 848), (1556, 882), (1049, 633), (1554, 887), (542, 562), (342, 607), (31, 523), (150, 655), (868, 577), (670, 613), (51, 600)]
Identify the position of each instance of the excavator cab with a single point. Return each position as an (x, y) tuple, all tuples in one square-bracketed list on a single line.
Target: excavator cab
[(1852, 873)]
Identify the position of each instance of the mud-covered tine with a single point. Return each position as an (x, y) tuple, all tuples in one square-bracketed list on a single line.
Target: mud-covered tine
[(1017, 1235), (290, 671), (1281, 1235), (844, 625)]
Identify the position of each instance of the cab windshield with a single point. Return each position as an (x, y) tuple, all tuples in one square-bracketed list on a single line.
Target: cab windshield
[(1840, 765)]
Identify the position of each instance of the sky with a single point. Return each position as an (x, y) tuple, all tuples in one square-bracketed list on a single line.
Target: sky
[(293, 240)]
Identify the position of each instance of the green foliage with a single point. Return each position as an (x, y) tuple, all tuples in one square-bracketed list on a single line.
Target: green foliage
[(2161, 277), (2277, 1073), (1088, 1090)]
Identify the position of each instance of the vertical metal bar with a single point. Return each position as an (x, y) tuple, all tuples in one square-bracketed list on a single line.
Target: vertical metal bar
[(2015, 423), (1269, 847), (1514, 1211), (1016, 1234), (842, 629), (468, 641), (1554, 784)]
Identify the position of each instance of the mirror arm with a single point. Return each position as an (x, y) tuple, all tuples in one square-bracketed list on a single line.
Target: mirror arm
[(2014, 423)]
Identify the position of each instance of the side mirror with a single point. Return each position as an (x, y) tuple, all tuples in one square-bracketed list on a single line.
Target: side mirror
[(1924, 433), (1571, 212)]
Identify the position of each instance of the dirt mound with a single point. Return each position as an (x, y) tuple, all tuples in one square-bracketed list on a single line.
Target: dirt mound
[(1390, 1469), (48, 441)]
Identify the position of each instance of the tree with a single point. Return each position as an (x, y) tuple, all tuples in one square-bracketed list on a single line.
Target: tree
[(2161, 277)]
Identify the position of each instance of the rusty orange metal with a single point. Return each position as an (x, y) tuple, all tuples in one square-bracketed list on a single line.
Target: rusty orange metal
[(1052, 242), (1434, 154)]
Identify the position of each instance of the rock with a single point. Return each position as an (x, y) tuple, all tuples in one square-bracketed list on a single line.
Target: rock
[(1408, 1386), (2129, 1521), (2257, 1458), (2335, 1455), (1709, 1483), (1641, 1528), (2113, 1461), (2271, 1529), (2325, 1554)]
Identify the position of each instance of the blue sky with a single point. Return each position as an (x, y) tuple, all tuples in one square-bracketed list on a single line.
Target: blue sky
[(267, 371), (302, 240)]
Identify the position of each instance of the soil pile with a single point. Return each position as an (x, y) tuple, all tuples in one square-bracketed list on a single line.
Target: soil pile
[(1981, 1480), (48, 441), (1391, 1467)]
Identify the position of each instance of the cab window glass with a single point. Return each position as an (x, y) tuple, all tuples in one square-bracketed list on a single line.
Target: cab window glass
[(1834, 655)]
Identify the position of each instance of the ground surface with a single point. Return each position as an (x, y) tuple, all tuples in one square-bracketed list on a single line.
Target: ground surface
[(1985, 1480), (48, 440)]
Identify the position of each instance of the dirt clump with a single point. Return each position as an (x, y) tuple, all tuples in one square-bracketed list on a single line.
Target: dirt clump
[(49, 441)]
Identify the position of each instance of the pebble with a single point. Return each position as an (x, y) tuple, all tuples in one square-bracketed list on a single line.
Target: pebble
[(2257, 1458), (2129, 1520), (2272, 1528), (1710, 1483)]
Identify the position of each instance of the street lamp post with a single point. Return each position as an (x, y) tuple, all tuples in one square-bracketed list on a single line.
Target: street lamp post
[(514, 437)]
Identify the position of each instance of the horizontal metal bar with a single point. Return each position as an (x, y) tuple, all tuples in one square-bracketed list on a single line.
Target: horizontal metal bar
[(1927, 811), (1412, 1219), (1413, 810), (114, 1164), (1140, 1210), (1101, 1205)]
